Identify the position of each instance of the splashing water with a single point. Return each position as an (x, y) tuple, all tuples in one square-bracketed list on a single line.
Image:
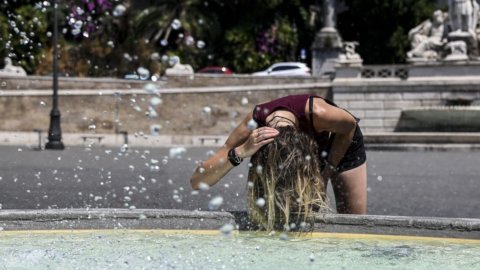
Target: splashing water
[(252, 124), (215, 203), (201, 44), (176, 24), (143, 73), (151, 88), (176, 151), (119, 10), (260, 202), (203, 186), (155, 101)]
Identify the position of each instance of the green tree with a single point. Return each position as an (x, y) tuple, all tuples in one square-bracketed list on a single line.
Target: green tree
[(265, 32), (187, 28), (23, 34), (381, 27)]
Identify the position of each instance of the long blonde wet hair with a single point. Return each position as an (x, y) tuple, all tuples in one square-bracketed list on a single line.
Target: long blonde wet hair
[(284, 181)]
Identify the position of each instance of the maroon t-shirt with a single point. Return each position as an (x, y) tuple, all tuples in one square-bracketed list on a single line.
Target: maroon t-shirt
[(295, 104)]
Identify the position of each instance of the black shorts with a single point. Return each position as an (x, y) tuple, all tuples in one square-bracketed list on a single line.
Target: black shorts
[(355, 155)]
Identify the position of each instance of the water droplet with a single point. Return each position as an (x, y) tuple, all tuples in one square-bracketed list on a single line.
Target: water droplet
[(76, 31), (42, 103), (119, 10), (143, 73), (200, 44), (259, 169), (111, 44), (283, 236), (203, 186), (176, 24), (176, 151), (151, 88), (164, 42), (80, 11), (189, 41), (308, 157), (155, 101), (164, 161), (155, 56), (92, 127), (127, 57), (207, 110), (77, 25), (124, 148), (311, 257), (165, 58), (260, 202), (244, 101), (252, 124), (215, 203), (227, 229), (379, 178), (324, 154)]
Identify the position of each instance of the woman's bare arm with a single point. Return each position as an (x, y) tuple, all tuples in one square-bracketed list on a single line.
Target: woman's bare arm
[(245, 141), (333, 119)]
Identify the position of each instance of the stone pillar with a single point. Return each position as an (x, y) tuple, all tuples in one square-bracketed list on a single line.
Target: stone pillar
[(327, 45)]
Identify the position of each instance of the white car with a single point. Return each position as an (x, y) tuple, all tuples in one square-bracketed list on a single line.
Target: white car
[(285, 69)]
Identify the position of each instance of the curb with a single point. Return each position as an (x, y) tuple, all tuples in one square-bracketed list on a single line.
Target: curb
[(373, 141), (422, 147), (77, 219)]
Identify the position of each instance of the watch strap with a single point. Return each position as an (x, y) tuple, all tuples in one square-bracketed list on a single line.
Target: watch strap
[(234, 158)]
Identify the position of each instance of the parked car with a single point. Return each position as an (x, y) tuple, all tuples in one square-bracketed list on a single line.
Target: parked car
[(215, 70), (285, 69)]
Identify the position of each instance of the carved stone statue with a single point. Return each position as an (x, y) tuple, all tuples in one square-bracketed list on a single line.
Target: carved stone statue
[(11, 70), (428, 37), (463, 22), (178, 68), (349, 55), (463, 15), (457, 50)]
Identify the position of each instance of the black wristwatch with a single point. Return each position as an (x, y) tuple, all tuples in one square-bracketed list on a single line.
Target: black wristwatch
[(233, 158)]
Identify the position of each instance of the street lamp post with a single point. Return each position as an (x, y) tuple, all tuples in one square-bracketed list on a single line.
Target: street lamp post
[(55, 132)]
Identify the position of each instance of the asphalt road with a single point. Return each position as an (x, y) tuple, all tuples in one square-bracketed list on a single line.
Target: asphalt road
[(440, 184)]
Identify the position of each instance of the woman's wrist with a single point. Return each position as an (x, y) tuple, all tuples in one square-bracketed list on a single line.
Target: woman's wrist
[(240, 151)]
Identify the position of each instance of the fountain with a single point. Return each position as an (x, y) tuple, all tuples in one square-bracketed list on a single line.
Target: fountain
[(457, 115)]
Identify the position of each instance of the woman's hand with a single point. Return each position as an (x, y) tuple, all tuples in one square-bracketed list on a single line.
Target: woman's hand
[(258, 138)]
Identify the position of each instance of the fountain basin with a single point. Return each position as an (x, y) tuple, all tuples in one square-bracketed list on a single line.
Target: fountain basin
[(440, 119)]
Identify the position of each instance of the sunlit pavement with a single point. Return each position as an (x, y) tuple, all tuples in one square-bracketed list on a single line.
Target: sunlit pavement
[(441, 184)]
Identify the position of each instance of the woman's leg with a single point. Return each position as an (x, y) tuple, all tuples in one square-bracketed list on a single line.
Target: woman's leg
[(350, 188)]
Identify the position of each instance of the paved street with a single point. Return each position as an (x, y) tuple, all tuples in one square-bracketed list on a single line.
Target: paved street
[(442, 184)]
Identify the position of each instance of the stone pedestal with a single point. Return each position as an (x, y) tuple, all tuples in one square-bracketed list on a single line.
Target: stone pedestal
[(468, 38), (325, 51)]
